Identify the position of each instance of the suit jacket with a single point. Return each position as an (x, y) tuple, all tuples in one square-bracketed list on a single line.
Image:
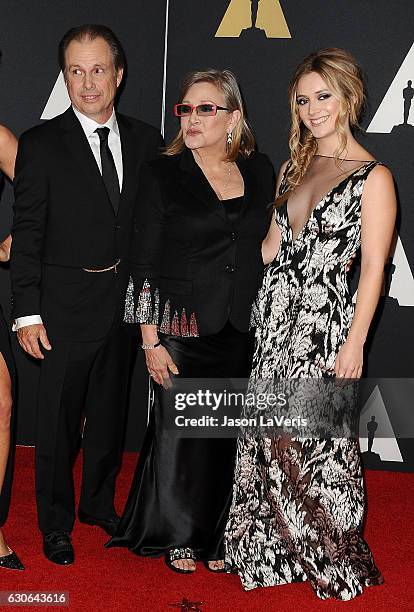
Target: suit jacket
[(64, 222), (193, 269)]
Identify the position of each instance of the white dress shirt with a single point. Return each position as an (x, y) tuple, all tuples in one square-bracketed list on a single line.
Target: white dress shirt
[(114, 142)]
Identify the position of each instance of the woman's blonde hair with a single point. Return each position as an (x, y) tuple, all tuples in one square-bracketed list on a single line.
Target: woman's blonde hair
[(243, 140), (343, 76)]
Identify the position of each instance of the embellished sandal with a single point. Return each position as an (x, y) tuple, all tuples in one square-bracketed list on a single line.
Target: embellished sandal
[(11, 561), (215, 571), (176, 554)]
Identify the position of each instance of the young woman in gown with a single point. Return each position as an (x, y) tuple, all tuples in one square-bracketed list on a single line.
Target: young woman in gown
[(298, 502), (8, 559)]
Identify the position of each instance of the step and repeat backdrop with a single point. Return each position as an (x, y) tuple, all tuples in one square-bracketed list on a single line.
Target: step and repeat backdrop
[(261, 41)]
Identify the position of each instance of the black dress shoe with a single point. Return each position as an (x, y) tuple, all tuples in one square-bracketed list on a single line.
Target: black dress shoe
[(11, 561), (57, 546), (109, 525)]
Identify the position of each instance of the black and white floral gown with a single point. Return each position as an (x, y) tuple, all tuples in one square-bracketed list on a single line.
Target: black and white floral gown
[(298, 503)]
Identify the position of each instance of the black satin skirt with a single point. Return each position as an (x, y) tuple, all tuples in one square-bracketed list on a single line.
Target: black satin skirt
[(181, 491), (5, 350)]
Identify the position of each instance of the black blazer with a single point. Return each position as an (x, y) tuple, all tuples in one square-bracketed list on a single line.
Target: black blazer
[(64, 221), (192, 268)]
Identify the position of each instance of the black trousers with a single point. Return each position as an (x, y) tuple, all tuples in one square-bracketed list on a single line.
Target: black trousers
[(77, 378)]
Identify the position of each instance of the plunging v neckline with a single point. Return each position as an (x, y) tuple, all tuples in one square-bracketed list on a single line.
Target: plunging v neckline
[(321, 201)]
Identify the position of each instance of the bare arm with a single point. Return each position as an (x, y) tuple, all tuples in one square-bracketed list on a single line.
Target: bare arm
[(377, 227), (270, 245)]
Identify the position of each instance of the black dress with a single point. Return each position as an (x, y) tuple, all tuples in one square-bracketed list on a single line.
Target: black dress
[(180, 493), (5, 350)]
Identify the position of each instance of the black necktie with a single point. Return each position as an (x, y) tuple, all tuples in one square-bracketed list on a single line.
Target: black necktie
[(109, 173)]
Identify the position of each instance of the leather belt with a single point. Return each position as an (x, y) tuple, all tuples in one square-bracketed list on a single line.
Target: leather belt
[(104, 269)]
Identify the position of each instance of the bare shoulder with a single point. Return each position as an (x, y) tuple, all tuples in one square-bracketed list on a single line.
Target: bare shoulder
[(379, 193), (379, 178), (7, 138)]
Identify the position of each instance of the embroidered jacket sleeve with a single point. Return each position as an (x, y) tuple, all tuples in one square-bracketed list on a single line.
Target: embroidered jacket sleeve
[(142, 298)]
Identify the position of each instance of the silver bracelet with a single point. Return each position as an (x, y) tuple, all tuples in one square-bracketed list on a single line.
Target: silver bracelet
[(150, 346)]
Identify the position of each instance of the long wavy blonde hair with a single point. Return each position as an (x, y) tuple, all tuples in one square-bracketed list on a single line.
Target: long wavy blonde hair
[(340, 71), (243, 141)]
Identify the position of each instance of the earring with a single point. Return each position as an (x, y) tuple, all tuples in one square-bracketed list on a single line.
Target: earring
[(229, 140)]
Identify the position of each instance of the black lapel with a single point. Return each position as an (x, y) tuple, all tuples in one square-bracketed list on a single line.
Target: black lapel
[(129, 148), (74, 139), (195, 181)]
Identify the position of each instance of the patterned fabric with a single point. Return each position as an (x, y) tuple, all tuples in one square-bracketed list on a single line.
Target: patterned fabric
[(298, 503), (147, 308), (129, 311), (147, 311)]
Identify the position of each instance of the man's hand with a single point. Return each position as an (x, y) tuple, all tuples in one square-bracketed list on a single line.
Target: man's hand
[(29, 337)]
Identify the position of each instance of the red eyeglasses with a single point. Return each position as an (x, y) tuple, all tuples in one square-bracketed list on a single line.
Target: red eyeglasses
[(204, 110)]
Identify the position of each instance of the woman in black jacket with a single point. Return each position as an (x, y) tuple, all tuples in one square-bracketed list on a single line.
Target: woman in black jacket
[(197, 264)]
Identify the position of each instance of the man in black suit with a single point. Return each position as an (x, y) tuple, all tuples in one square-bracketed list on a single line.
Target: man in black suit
[(75, 191)]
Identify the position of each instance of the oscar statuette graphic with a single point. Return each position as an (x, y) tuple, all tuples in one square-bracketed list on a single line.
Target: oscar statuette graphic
[(408, 95), (395, 113), (253, 20), (371, 458)]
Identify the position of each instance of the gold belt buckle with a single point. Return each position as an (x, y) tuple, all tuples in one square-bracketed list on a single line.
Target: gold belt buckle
[(114, 267)]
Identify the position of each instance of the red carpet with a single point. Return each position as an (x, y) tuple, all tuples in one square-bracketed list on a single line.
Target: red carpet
[(112, 580)]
